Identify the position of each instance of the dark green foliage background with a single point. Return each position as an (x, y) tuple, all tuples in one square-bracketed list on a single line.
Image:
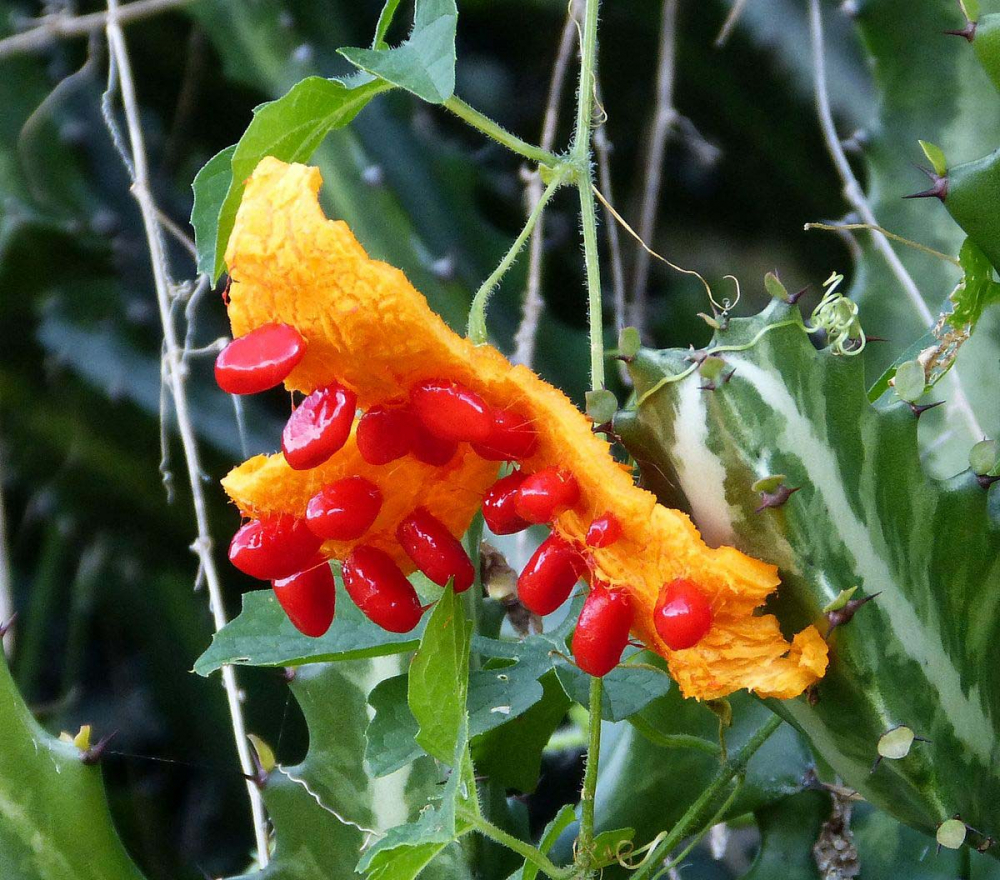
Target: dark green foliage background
[(108, 627)]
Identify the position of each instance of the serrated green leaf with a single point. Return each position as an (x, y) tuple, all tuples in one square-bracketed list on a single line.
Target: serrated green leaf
[(439, 678), (262, 635), (54, 822), (869, 516), (289, 128), (935, 155), (977, 289), (425, 63)]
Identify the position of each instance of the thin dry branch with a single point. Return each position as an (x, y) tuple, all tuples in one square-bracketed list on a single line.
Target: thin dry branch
[(61, 25), (175, 371), (531, 312), (664, 118), (856, 198)]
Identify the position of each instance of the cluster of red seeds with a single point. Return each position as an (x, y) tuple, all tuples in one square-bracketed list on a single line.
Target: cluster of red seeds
[(436, 417)]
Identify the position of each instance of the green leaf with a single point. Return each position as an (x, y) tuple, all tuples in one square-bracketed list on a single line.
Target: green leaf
[(211, 184), (552, 832), (439, 678), (55, 821), (774, 287), (290, 129), (510, 755), (629, 342), (984, 458), (391, 737), (868, 515), (425, 63), (935, 155), (384, 22), (607, 845), (788, 829), (262, 635), (971, 9), (976, 290), (627, 689)]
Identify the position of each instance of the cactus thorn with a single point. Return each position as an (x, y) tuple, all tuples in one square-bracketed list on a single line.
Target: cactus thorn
[(844, 615), (986, 480), (875, 339), (608, 429), (776, 498), (6, 626), (94, 754), (793, 298), (727, 376), (919, 409), (937, 190), (969, 31), (696, 356)]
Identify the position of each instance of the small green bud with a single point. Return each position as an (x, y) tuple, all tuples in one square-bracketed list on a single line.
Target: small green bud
[(711, 368), (773, 285), (601, 406), (935, 155), (984, 458), (264, 752), (839, 601), (629, 342), (896, 743), (951, 833), (910, 381), (768, 484), (715, 325), (723, 710)]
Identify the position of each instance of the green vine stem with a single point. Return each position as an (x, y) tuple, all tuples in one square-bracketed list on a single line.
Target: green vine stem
[(530, 853), (497, 132), (585, 841), (733, 768)]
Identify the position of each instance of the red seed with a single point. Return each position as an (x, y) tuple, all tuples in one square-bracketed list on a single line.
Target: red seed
[(683, 614), (512, 438), (381, 590), (604, 531), (550, 575), (430, 449), (273, 547), (319, 427), (344, 510), (259, 360), (602, 631), (498, 506), (546, 493), (384, 434), (451, 411), (309, 599), (435, 551)]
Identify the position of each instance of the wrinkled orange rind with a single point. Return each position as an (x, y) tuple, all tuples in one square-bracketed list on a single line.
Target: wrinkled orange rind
[(369, 329)]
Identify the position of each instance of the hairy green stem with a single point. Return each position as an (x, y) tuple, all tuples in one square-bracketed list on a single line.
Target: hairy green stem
[(673, 740), (529, 852), (497, 132), (476, 330), (585, 840), (734, 767)]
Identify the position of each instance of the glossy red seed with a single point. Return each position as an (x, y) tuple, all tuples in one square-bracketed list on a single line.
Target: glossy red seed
[(512, 438), (260, 360), (430, 449), (319, 427), (498, 506), (434, 550), (546, 493), (309, 599), (344, 510), (381, 590), (550, 575), (683, 614), (604, 531), (384, 434), (602, 631), (451, 411), (273, 547)]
